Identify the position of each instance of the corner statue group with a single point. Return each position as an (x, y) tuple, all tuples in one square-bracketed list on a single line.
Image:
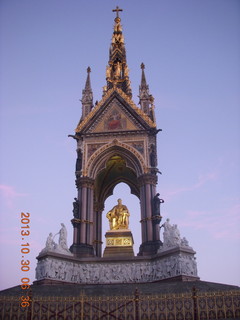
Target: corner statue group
[(118, 217)]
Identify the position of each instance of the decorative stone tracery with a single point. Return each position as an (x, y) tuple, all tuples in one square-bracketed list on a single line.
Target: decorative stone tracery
[(105, 152)]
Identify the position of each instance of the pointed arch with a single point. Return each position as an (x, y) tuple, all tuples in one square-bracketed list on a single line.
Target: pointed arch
[(98, 160)]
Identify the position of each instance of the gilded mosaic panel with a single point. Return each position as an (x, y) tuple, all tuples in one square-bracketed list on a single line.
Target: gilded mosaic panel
[(115, 120), (91, 148), (138, 145)]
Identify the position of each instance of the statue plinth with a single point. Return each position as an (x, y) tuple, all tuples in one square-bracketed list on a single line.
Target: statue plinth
[(119, 243)]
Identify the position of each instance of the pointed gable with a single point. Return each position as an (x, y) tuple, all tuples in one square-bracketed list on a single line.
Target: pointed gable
[(115, 112), (115, 118)]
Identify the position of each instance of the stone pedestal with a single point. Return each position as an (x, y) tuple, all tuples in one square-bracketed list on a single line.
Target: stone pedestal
[(175, 263), (175, 260), (119, 243)]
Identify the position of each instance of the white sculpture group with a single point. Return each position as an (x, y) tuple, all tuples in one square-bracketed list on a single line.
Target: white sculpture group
[(171, 237), (179, 261), (61, 247)]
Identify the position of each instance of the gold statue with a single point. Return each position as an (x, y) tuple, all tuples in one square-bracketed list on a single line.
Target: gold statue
[(117, 72), (108, 72), (118, 217), (126, 71), (117, 27)]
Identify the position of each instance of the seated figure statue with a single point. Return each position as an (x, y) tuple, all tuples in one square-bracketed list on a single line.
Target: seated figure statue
[(171, 235), (50, 244), (118, 217)]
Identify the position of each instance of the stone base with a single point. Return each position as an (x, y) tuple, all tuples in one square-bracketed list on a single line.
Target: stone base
[(175, 263), (119, 243), (149, 248), (82, 250)]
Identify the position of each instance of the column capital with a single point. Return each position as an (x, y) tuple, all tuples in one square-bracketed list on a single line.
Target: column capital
[(156, 219), (76, 222), (84, 182), (147, 178)]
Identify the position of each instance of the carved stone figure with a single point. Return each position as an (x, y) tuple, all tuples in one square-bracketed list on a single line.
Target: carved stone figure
[(49, 242), (117, 71), (184, 242), (153, 156), (61, 247), (63, 237), (167, 227), (171, 235), (194, 263), (79, 160), (126, 71), (118, 217), (156, 204), (76, 208), (176, 234), (108, 72)]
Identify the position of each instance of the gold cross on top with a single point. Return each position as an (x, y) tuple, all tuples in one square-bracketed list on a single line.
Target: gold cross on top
[(117, 11)]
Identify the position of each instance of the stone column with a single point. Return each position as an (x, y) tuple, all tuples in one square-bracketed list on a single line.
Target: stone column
[(150, 239), (83, 225), (143, 214), (97, 232)]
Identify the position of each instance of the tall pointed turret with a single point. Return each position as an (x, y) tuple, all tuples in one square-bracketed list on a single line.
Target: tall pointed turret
[(117, 72), (87, 96), (145, 98)]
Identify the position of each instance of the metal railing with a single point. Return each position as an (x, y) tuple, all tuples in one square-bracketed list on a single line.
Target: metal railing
[(186, 306)]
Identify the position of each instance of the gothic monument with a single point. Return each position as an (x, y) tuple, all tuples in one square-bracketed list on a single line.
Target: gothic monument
[(116, 142)]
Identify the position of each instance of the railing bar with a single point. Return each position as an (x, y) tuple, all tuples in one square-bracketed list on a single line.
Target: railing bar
[(174, 306), (31, 309), (198, 307), (11, 309), (17, 312), (48, 310), (4, 307), (233, 308), (216, 308), (207, 306)]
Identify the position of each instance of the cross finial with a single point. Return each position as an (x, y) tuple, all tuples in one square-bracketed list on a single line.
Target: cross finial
[(117, 11)]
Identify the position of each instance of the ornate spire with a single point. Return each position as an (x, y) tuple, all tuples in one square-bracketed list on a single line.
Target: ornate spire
[(88, 82), (117, 72), (143, 80), (145, 98), (87, 96)]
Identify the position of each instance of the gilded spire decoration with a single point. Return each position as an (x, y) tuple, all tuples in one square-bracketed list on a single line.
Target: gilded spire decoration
[(146, 100), (87, 96), (117, 72), (117, 10)]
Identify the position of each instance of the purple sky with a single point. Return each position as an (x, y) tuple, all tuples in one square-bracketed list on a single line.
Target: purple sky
[(191, 52)]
